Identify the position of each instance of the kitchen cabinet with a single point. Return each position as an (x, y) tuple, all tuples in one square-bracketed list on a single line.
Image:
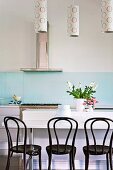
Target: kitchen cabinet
[(7, 111)]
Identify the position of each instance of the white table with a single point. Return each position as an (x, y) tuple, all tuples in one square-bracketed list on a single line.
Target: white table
[(37, 119)]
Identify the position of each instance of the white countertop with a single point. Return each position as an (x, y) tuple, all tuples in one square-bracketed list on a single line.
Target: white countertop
[(39, 118), (9, 106), (73, 107)]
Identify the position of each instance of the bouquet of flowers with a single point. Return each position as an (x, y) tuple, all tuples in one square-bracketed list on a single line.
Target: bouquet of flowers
[(82, 93), (91, 102)]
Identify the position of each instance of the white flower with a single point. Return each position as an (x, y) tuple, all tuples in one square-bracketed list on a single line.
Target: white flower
[(79, 85), (93, 85), (70, 85)]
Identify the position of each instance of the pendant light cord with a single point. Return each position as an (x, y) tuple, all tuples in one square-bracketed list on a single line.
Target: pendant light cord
[(74, 2)]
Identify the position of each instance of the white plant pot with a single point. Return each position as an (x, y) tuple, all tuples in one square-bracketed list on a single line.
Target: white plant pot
[(80, 104), (64, 110)]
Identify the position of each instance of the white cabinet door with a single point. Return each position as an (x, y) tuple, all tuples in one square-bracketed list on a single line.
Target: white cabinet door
[(7, 111)]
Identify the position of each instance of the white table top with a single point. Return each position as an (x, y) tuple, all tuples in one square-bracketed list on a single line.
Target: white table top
[(39, 118)]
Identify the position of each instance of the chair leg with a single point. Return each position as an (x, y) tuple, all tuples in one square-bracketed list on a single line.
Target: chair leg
[(107, 161), (86, 161), (110, 159), (8, 160), (24, 161), (49, 161), (73, 158), (40, 161), (70, 161)]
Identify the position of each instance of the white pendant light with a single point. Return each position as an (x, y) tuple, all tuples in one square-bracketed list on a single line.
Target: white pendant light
[(73, 20), (107, 16), (40, 16)]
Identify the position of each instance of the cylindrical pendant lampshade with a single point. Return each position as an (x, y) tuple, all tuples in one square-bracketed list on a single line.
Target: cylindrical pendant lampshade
[(107, 16), (40, 16), (73, 21)]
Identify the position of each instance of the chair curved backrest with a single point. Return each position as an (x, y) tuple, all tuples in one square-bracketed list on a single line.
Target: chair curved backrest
[(13, 122), (57, 123), (89, 126)]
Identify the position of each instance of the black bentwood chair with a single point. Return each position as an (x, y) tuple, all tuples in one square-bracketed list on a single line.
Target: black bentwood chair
[(92, 148), (60, 148), (111, 151), (31, 150)]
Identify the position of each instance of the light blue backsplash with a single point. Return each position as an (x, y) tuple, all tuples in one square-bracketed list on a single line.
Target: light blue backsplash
[(50, 87)]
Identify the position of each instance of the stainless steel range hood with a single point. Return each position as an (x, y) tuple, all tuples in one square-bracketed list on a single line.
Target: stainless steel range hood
[(42, 62)]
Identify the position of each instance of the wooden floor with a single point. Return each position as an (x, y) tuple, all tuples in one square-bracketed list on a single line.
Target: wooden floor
[(16, 163)]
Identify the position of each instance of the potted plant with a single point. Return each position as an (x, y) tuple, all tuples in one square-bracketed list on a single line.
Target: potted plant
[(82, 95)]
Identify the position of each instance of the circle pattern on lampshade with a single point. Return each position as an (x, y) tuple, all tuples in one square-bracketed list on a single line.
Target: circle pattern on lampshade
[(40, 16), (107, 15), (73, 20)]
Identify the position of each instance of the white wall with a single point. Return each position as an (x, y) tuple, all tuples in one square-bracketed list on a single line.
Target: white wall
[(17, 36), (91, 51)]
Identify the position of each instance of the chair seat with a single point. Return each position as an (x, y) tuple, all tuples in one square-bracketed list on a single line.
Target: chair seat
[(99, 149), (30, 149), (61, 150)]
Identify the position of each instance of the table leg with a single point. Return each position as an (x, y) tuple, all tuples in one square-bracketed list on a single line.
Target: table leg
[(31, 142)]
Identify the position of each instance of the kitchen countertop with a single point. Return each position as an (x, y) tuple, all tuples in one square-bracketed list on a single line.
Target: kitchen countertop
[(98, 107), (9, 106)]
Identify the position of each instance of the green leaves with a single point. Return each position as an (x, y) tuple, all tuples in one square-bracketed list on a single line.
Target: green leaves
[(79, 93), (88, 92)]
